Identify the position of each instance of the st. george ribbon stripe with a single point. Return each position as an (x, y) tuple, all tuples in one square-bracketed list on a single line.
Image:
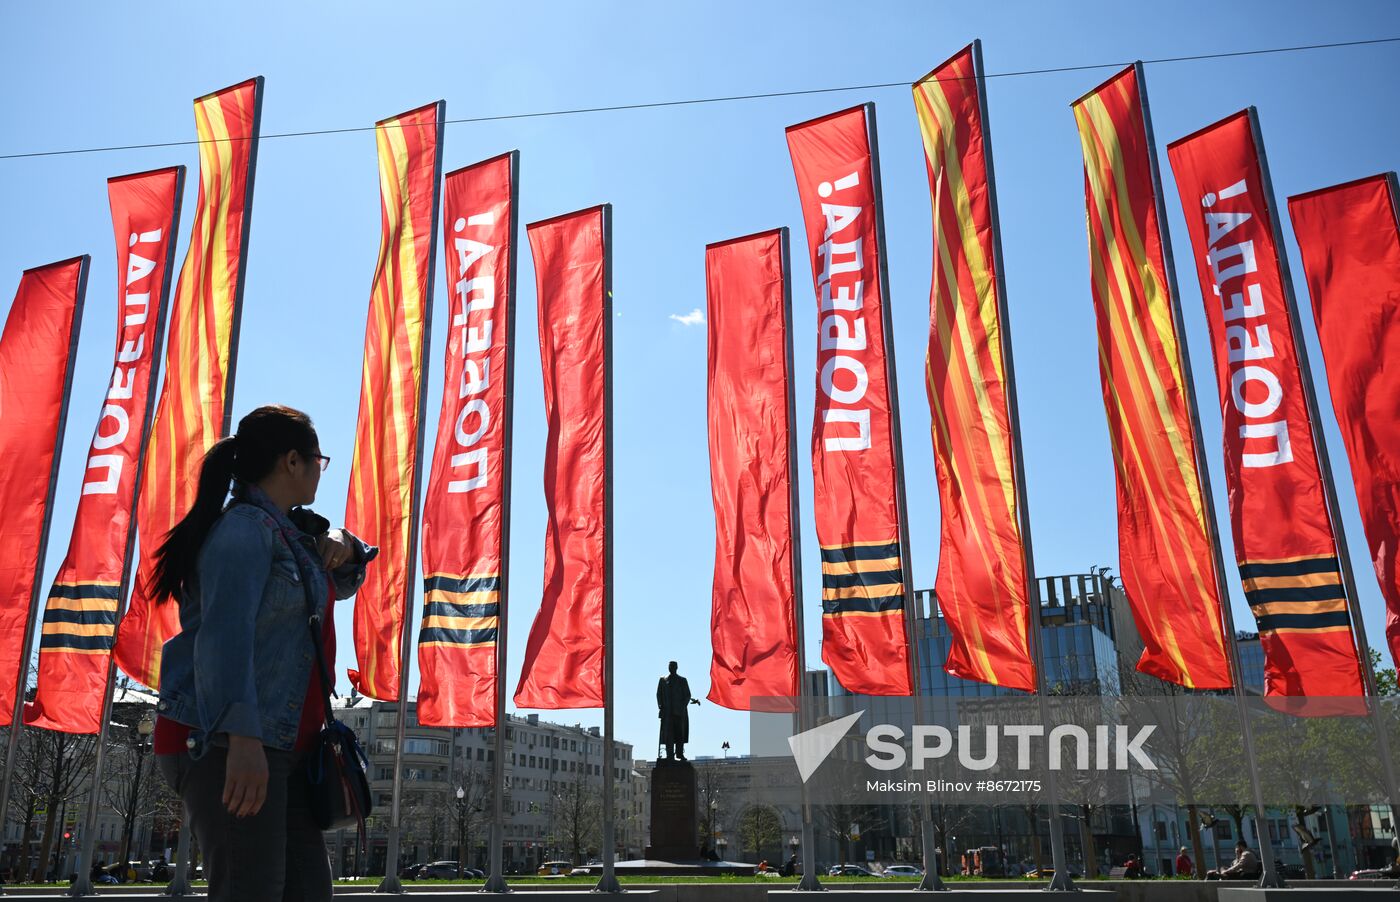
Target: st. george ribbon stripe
[(457, 637), (832, 555), (87, 590), (863, 578), (449, 609), (1332, 619), (69, 642), (1297, 593), (862, 605), (1289, 568), (58, 615), (462, 584)]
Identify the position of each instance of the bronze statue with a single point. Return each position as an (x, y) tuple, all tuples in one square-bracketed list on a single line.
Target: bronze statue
[(672, 698)]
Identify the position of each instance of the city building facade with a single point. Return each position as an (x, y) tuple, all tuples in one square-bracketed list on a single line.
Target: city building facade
[(554, 781)]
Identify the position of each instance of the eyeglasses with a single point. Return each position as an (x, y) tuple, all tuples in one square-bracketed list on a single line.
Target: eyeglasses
[(325, 461)]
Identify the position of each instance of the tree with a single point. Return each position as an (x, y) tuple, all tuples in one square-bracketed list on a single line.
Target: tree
[(759, 828), (51, 769), (947, 821), (470, 811), (1191, 763), (711, 789), (576, 817), (130, 786)]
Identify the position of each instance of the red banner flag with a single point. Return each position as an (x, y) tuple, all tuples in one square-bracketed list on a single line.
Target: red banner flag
[(753, 613), (200, 357), (385, 474), (865, 637), (981, 585), (466, 517), (37, 350), (80, 619), (1284, 544), (1164, 547), (1350, 238), (565, 653)]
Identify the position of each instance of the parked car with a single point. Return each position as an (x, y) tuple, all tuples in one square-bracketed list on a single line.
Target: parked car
[(903, 870), (555, 869), (129, 872), (410, 872), (1367, 874), (440, 870), (851, 870), (1045, 873)]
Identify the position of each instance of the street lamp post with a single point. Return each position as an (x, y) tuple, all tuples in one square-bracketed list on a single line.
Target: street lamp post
[(461, 829), (721, 844), (142, 745), (793, 843)]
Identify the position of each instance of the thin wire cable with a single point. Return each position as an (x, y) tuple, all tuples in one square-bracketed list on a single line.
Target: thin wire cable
[(732, 98)]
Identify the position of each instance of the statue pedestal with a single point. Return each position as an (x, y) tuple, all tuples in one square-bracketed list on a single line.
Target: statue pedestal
[(674, 825)]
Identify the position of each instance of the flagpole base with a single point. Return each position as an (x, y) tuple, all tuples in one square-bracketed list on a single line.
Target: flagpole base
[(390, 884), (179, 887), (608, 883), (810, 884), (931, 883), (496, 884)]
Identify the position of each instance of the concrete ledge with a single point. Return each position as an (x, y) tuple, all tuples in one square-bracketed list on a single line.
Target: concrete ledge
[(1304, 894), (981, 891), (991, 894)]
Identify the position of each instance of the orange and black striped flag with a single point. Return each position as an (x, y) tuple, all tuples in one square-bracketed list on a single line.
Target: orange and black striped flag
[(466, 516), (1284, 542), (80, 618), (981, 585), (1164, 545), (385, 471), (855, 472), (200, 357)]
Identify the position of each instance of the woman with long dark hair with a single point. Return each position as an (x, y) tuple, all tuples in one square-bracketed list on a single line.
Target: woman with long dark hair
[(241, 698)]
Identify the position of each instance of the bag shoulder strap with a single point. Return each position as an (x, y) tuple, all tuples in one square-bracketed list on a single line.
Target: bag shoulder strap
[(314, 625)]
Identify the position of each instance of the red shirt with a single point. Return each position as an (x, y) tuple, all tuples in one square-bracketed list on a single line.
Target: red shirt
[(170, 736)]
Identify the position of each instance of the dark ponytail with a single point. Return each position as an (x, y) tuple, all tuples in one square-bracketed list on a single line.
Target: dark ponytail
[(248, 455)]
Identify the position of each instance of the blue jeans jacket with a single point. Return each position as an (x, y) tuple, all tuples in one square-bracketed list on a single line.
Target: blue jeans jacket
[(243, 657)]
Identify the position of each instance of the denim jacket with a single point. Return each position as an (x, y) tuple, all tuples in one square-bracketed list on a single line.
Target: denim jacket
[(243, 657)]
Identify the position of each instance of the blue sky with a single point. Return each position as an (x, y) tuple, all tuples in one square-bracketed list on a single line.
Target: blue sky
[(678, 178)]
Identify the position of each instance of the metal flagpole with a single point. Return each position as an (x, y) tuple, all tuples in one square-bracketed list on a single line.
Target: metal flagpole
[(180, 886), (391, 882), (932, 880), (810, 881), (1061, 879), (1329, 484), (22, 680), (1270, 876), (607, 883), (496, 881), (83, 885)]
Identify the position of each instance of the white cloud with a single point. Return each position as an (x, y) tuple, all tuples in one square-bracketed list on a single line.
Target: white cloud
[(693, 318)]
